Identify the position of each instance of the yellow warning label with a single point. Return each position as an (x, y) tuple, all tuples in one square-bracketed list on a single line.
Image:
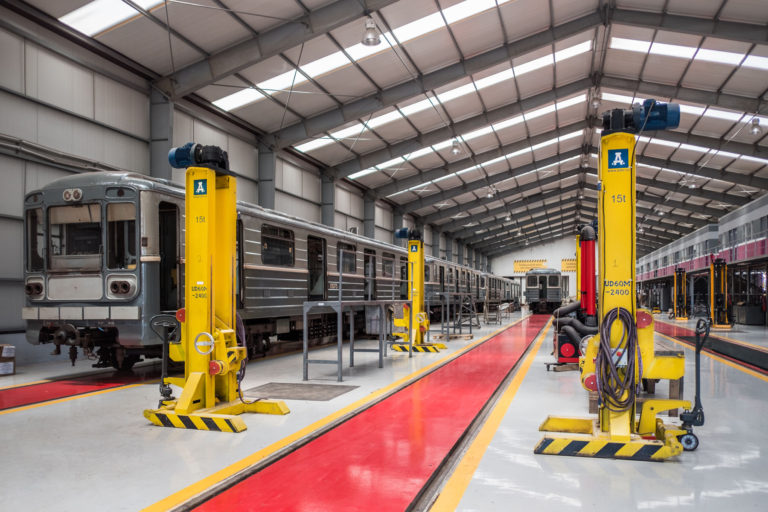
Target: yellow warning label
[(526, 265), (568, 265)]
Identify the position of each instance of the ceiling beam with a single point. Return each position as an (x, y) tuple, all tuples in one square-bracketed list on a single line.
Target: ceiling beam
[(720, 144), (706, 172), (321, 123), (703, 210), (656, 90), (505, 229), (422, 140), (507, 246), (695, 192), (531, 230), (455, 210), (428, 175), (743, 32), (500, 226), (265, 45), (484, 182)]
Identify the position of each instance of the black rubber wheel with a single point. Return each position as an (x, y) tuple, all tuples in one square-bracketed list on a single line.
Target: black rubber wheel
[(689, 441)]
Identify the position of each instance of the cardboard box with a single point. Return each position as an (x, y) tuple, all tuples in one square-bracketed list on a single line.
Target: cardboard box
[(7, 360)]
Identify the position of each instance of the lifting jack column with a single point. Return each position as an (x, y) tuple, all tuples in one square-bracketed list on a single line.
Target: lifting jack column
[(211, 398)]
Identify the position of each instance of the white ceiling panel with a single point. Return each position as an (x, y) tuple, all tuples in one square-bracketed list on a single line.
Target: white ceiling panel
[(573, 114), (746, 11), (567, 10), (664, 70), (541, 124), (386, 69), (147, 43), (536, 82), (428, 120), (432, 51), (655, 150), (204, 24), (266, 69), (464, 107), (478, 33), (267, 13), (484, 143), (395, 131), (221, 88), (535, 14), (712, 127), (573, 69), (512, 133), (266, 115), (699, 9), (58, 8), (347, 84), (306, 99), (430, 161), (623, 64)]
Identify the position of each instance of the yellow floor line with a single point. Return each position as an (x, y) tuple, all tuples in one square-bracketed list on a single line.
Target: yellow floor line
[(726, 338), (718, 359), (74, 397), (457, 484), (30, 383), (206, 483)]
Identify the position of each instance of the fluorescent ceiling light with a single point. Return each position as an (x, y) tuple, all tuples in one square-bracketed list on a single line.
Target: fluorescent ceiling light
[(100, 15), (362, 173), (240, 98)]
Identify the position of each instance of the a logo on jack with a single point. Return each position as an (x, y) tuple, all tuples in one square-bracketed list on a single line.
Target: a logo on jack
[(618, 158), (200, 187)]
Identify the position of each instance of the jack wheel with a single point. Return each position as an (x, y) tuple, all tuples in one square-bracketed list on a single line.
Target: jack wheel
[(689, 441)]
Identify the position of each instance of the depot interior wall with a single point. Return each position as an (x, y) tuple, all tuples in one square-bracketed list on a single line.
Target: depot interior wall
[(553, 252)]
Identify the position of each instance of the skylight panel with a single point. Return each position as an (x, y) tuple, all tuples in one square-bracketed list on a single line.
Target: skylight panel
[(571, 135), (362, 173), (719, 56), (390, 163), (315, 144), (281, 82), (350, 131), (754, 159), (456, 93), (667, 143), (384, 119), (238, 99), (577, 100), (673, 50), (632, 45), (477, 133), (518, 153), (535, 64), (508, 122), (419, 152), (533, 114), (753, 61), (619, 98), (329, 63), (419, 27), (494, 79), (100, 15), (690, 109), (466, 9), (691, 147), (573, 51), (722, 114), (414, 108)]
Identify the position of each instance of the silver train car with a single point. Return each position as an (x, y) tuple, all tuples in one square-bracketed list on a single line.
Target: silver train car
[(104, 254), (543, 290)]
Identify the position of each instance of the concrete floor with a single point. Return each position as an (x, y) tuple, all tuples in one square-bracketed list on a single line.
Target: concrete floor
[(99, 453)]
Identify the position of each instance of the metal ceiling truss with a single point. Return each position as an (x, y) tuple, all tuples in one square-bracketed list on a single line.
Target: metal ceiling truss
[(494, 179), (434, 173), (317, 125), (557, 192), (265, 45), (422, 140), (555, 234), (706, 172), (530, 229)]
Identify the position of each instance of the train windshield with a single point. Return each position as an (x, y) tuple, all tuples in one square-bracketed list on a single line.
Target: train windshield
[(35, 240), (121, 236), (75, 237)]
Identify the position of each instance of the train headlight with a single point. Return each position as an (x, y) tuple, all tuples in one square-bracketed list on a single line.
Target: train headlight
[(34, 289), (72, 194), (121, 287)]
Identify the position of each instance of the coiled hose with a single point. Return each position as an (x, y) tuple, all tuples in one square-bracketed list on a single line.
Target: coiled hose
[(617, 388)]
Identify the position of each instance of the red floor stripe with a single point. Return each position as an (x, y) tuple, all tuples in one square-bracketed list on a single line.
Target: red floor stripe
[(380, 459), (43, 392)]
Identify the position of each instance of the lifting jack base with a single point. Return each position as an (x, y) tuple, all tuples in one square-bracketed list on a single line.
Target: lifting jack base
[(222, 418)]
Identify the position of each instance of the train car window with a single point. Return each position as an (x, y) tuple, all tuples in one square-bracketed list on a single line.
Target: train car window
[(35, 240), (346, 258), (554, 281), (121, 236), (442, 278), (482, 282), (75, 237), (277, 246), (387, 264), (317, 266), (532, 282), (426, 273)]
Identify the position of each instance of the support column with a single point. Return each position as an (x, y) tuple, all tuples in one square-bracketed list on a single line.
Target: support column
[(478, 260), (397, 223), (470, 256), (369, 215), (328, 201), (448, 248), (267, 170), (160, 135), (486, 268), (435, 242), (460, 253)]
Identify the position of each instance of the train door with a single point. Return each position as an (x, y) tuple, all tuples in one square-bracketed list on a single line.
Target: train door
[(543, 288), (369, 268), (168, 246), (316, 265), (404, 272)]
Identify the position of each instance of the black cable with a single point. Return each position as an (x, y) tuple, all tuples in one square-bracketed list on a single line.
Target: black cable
[(616, 386)]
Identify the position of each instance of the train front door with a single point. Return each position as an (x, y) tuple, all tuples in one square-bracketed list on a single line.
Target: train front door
[(543, 288), (316, 264), (168, 219)]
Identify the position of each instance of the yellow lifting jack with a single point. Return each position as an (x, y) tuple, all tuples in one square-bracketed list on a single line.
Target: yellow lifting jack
[(413, 337), (622, 353), (211, 398)]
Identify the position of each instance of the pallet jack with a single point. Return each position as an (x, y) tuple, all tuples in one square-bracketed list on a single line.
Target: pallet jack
[(416, 321), (214, 358), (622, 354)]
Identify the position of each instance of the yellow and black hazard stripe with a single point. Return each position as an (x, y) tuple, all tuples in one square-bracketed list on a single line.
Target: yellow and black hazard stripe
[(633, 450), (416, 348), (197, 422)]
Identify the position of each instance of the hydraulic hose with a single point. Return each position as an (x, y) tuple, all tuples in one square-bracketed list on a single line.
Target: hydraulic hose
[(566, 310), (616, 387), (576, 324), (572, 335)]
